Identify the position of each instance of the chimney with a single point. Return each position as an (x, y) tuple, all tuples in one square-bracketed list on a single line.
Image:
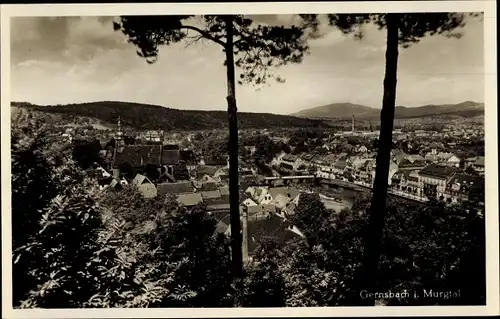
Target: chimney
[(245, 236), (353, 123)]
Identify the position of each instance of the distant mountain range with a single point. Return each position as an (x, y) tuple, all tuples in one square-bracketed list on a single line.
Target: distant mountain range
[(346, 110), (146, 116)]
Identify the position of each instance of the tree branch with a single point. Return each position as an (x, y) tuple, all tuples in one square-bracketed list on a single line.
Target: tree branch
[(203, 33)]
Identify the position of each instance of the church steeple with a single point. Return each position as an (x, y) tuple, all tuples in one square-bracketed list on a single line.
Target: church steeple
[(119, 133)]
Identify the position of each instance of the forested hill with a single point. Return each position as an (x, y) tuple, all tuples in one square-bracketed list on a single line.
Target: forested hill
[(145, 116)]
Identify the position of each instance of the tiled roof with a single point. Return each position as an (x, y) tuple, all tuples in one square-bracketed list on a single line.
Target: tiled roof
[(340, 164), (211, 194), (189, 199), (139, 179), (174, 188), (208, 186), (138, 155), (169, 157), (437, 171), (203, 170), (415, 157), (291, 192)]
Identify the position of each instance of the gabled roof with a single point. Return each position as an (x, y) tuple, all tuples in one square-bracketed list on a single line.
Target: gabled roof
[(189, 199), (222, 171), (414, 157), (140, 179), (249, 202), (211, 194), (138, 155), (174, 188), (398, 155), (208, 186), (280, 201), (290, 192), (479, 161), (202, 170), (208, 179)]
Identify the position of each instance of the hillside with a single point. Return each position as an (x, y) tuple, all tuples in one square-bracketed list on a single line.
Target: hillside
[(145, 116), (346, 110)]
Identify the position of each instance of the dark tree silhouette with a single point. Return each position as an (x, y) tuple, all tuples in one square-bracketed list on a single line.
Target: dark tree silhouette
[(86, 153), (256, 48), (180, 171), (152, 172), (404, 30)]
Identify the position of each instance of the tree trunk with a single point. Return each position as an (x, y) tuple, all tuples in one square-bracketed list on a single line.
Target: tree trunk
[(236, 240), (375, 227)]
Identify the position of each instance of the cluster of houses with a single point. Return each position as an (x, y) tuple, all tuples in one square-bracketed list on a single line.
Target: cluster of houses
[(265, 209), (437, 174)]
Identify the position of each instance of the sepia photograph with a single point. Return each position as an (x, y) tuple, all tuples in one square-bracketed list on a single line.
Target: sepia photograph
[(298, 159)]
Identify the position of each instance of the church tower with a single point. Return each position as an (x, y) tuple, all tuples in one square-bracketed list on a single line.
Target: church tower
[(119, 134), (353, 123)]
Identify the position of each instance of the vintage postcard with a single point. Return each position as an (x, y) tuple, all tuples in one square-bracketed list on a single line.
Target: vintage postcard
[(249, 159)]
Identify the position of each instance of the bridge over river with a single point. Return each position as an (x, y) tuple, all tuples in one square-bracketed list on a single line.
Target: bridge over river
[(335, 183)]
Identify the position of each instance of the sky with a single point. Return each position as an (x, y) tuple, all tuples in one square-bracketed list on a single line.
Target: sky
[(61, 60)]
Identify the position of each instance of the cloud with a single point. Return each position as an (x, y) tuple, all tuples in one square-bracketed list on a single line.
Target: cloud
[(77, 59)]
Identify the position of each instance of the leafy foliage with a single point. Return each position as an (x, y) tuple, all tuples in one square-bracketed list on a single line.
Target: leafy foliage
[(160, 255), (431, 246), (55, 218), (180, 171), (75, 246), (265, 149), (257, 48), (412, 26)]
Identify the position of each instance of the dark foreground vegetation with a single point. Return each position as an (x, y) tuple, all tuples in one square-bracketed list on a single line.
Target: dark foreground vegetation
[(77, 246)]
